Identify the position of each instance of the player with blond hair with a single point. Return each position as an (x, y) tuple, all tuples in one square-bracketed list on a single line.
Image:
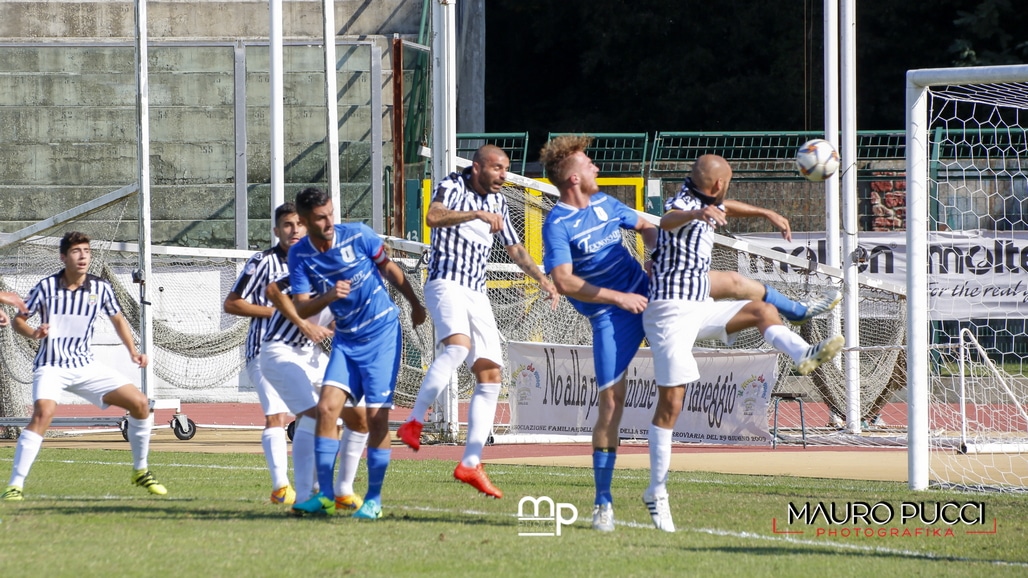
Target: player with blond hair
[(590, 265)]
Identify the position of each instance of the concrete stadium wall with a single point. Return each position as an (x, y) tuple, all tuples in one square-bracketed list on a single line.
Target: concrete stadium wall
[(199, 19), (67, 108)]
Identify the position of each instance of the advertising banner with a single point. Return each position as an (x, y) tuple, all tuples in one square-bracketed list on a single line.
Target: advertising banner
[(553, 391)]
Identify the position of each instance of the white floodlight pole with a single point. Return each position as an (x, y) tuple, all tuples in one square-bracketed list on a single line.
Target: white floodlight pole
[(831, 84), (444, 136), (850, 311), (277, 122), (332, 105), (831, 63), (143, 160), (444, 89)]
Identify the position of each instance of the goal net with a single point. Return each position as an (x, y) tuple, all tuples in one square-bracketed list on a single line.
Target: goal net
[(523, 314), (967, 149)]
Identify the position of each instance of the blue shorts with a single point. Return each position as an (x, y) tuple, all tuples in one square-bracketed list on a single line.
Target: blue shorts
[(617, 336), (366, 369)]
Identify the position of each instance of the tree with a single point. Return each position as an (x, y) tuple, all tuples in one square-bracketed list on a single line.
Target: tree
[(732, 65)]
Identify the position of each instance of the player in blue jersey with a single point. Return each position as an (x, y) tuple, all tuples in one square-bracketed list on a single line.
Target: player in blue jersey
[(591, 266), (69, 303), (681, 311), (346, 266)]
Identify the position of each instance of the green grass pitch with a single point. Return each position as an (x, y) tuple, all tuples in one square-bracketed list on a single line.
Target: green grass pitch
[(82, 517)]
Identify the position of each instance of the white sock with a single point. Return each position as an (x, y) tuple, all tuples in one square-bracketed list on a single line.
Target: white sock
[(350, 449), (481, 414), (25, 453), (787, 341), (660, 459), (273, 440), (436, 378), (139, 440), (304, 471)]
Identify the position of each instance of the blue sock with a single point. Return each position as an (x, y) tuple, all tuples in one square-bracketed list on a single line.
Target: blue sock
[(790, 309), (325, 452), (378, 461), (603, 473)]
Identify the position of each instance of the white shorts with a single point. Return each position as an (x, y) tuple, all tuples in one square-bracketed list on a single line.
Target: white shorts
[(295, 373), (90, 382), (455, 309), (673, 327), (271, 401)]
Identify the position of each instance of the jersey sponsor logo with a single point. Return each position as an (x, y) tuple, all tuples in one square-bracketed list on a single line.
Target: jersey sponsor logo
[(586, 247)]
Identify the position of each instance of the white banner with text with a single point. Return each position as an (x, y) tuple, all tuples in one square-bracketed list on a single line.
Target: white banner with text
[(553, 392), (971, 274)]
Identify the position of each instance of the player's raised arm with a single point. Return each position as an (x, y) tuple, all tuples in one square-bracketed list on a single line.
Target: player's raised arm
[(439, 216), (519, 255), (14, 300), (740, 209), (392, 273)]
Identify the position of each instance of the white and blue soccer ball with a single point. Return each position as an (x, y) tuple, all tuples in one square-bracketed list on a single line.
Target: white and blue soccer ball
[(817, 160)]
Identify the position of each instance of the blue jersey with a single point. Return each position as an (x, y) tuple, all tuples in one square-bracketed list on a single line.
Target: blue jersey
[(590, 240), (355, 253)]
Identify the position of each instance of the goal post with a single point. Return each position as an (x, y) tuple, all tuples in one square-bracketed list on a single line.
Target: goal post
[(966, 130)]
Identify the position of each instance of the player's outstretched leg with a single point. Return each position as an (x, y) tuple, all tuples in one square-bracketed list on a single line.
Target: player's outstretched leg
[(818, 354), (436, 378), (819, 305)]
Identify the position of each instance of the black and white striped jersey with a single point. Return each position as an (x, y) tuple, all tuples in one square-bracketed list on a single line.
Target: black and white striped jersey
[(460, 253), (70, 315), (279, 327), (681, 260), (260, 270)]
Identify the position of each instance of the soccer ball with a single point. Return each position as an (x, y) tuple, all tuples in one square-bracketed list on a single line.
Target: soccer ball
[(817, 160)]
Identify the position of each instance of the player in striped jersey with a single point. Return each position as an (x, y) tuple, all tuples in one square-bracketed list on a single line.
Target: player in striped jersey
[(603, 281), (69, 303), (248, 299), (466, 213), (346, 267), (680, 311)]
